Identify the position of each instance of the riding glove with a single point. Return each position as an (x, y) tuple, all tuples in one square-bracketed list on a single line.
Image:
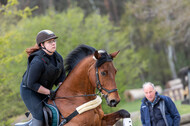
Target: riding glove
[(52, 94)]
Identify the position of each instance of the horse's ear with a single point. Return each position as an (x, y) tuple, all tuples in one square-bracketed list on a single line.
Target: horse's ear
[(97, 55), (113, 55)]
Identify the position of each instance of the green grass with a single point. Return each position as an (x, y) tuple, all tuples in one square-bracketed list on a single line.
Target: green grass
[(182, 108), (130, 106)]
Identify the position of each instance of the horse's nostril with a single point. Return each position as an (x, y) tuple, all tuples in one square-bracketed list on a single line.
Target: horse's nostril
[(113, 103)]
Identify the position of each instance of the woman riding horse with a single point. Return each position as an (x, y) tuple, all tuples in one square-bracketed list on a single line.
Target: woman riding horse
[(89, 70), (76, 99), (45, 68)]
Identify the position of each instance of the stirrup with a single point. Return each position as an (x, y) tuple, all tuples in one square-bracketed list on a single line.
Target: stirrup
[(36, 122), (29, 123)]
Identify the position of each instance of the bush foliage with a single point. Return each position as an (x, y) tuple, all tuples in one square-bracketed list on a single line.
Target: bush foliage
[(72, 29)]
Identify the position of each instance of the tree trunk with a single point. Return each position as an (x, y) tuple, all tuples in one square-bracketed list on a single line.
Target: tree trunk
[(51, 5), (170, 52)]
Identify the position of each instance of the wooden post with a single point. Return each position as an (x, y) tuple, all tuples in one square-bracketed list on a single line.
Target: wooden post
[(189, 84)]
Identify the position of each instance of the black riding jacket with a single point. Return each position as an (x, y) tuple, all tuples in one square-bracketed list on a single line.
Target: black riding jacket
[(44, 70)]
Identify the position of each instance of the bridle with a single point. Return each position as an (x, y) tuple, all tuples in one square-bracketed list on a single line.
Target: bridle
[(99, 86)]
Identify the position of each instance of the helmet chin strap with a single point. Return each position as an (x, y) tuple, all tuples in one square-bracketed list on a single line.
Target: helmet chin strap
[(46, 49)]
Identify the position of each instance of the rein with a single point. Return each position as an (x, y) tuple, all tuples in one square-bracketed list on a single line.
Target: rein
[(88, 95)]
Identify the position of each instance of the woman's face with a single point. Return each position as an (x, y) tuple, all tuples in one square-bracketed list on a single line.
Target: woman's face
[(50, 45)]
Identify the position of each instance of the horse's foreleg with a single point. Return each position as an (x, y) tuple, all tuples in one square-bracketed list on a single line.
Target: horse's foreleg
[(112, 118)]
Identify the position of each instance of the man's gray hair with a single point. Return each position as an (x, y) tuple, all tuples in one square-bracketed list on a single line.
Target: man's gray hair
[(148, 83)]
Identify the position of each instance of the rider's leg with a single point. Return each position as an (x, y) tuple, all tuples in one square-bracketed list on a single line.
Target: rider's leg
[(33, 102)]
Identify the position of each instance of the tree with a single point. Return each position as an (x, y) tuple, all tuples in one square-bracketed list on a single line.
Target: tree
[(9, 94), (155, 29)]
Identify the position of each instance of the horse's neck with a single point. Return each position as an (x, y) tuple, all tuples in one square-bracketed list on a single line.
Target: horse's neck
[(77, 83)]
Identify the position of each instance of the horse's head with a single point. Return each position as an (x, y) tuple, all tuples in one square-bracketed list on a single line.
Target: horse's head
[(100, 72), (105, 76)]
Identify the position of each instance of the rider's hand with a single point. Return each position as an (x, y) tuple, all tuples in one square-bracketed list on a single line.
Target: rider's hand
[(52, 94)]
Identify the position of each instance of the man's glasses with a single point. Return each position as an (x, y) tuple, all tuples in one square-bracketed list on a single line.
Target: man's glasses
[(51, 41)]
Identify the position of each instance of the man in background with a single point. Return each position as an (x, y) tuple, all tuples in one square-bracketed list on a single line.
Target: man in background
[(158, 110)]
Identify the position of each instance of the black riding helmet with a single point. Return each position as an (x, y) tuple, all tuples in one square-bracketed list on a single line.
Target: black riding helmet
[(45, 35)]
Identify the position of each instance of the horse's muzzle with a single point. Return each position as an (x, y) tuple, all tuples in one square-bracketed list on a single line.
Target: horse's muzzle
[(112, 102)]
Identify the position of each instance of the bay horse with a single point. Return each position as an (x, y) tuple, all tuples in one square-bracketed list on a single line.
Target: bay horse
[(89, 70)]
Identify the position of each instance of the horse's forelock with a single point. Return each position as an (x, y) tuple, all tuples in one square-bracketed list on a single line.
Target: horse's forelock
[(104, 58)]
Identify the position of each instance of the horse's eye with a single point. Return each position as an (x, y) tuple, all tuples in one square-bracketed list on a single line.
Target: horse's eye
[(103, 73)]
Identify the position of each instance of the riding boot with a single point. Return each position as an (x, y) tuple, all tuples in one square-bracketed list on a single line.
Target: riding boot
[(36, 122)]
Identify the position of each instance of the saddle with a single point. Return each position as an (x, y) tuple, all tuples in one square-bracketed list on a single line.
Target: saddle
[(51, 115)]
